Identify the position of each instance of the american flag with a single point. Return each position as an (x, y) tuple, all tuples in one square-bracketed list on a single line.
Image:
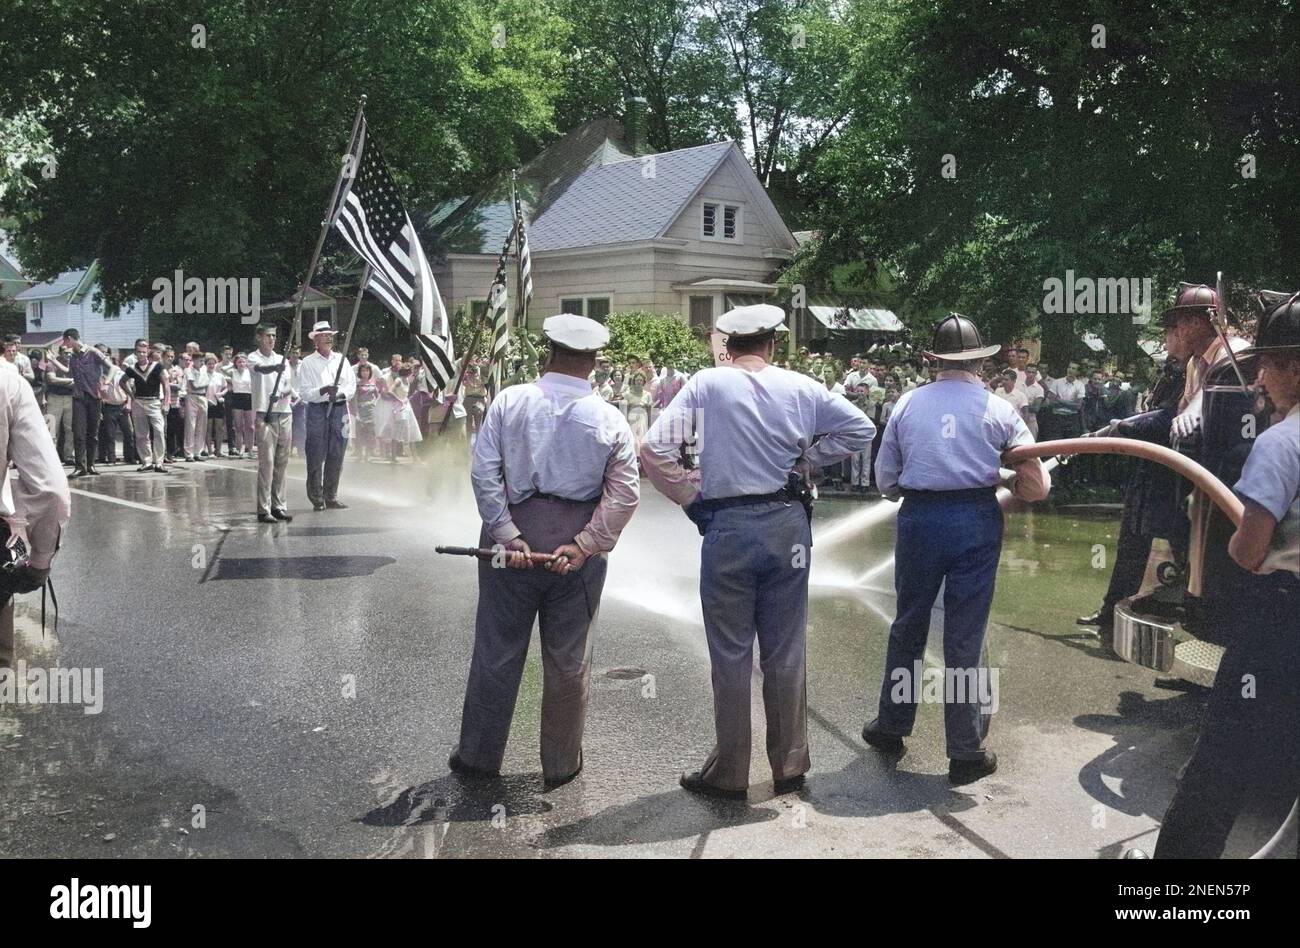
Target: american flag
[(500, 323), (370, 216), (525, 263)]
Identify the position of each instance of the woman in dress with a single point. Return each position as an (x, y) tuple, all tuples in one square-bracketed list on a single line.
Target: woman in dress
[(369, 391), (403, 429), (218, 385), (636, 406), (239, 405)]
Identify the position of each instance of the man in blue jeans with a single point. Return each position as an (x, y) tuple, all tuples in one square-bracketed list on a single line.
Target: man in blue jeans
[(941, 451)]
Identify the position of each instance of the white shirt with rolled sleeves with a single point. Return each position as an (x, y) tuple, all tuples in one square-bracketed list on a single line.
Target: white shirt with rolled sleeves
[(753, 426), (950, 435), (1271, 478), (37, 502), (315, 372), (555, 436), (264, 382)]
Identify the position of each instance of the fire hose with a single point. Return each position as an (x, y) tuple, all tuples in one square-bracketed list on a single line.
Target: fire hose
[(1213, 489)]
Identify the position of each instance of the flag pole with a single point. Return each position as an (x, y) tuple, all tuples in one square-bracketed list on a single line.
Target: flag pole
[(347, 343), (473, 346), (295, 332), (521, 304)]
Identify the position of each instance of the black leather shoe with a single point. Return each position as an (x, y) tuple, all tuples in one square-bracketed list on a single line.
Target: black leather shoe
[(968, 771), (465, 770), (78, 472), (1100, 617), (695, 783), (554, 784), (788, 784), (317, 505), (282, 514), (90, 469), (888, 743), (266, 518), (336, 505), (144, 468)]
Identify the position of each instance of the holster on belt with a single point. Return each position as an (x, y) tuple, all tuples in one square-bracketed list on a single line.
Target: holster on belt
[(796, 489)]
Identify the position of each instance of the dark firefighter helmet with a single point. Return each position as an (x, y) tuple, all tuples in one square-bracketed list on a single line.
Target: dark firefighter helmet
[(1279, 327), (1194, 299), (957, 339)]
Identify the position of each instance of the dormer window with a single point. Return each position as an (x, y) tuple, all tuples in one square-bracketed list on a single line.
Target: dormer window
[(720, 221)]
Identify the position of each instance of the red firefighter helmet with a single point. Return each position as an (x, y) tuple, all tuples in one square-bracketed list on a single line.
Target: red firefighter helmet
[(1194, 299)]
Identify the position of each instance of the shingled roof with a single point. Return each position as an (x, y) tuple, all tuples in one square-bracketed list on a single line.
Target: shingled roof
[(585, 190)]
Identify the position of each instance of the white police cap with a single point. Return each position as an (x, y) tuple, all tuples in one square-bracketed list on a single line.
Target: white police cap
[(752, 320), (575, 332)]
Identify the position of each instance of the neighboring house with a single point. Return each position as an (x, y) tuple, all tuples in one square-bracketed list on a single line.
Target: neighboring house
[(689, 231), (12, 281), (69, 301)]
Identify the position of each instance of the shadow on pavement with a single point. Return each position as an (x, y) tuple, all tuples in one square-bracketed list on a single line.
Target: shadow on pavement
[(299, 567), (451, 800)]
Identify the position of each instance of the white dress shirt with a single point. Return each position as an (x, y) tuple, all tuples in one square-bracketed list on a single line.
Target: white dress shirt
[(315, 372), (752, 422), (38, 502), (264, 382), (555, 436)]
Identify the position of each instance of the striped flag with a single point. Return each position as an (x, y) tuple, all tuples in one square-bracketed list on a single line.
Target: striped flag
[(500, 323), (525, 262), (370, 217)]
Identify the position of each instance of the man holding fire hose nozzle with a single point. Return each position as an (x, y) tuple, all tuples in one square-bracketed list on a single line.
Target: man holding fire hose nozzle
[(1247, 743), (942, 451)]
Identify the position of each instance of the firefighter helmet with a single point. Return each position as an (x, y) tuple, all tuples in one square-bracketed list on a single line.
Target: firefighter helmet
[(957, 339), (1279, 327)]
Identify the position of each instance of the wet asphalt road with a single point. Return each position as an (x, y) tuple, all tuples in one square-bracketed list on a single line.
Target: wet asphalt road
[(294, 690)]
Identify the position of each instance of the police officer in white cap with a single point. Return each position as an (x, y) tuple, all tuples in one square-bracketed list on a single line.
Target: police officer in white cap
[(942, 451), (554, 470), (754, 424)]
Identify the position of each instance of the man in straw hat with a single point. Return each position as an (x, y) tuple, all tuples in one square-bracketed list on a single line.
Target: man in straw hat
[(941, 452), (553, 471), (753, 424), (327, 440)]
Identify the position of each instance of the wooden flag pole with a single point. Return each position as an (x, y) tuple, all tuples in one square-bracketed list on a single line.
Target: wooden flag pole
[(347, 343), (295, 333), (473, 346)]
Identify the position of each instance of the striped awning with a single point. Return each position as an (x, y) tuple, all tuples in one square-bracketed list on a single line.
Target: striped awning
[(860, 318)]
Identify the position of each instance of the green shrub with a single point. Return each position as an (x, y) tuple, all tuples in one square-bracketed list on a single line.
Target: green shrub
[(664, 337)]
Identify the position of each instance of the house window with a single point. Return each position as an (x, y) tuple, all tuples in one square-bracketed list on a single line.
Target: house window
[(702, 313), (720, 221), (34, 313), (593, 307), (112, 311)]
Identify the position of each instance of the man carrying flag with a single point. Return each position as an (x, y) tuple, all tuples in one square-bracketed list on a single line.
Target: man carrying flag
[(370, 217)]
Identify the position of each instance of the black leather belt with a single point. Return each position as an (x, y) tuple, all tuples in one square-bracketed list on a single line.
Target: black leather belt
[(781, 496), (567, 500), (968, 493)]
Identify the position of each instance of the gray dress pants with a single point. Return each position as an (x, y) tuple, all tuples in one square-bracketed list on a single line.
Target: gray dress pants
[(509, 602), (754, 566)]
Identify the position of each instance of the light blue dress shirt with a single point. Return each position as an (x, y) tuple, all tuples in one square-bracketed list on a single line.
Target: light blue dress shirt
[(555, 436), (1271, 478), (948, 435), (752, 426)]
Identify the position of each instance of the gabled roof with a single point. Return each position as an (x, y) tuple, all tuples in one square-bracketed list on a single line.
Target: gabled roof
[(588, 189), (70, 283)]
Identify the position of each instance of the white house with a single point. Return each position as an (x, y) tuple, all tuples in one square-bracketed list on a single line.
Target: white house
[(690, 231), (71, 301)]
